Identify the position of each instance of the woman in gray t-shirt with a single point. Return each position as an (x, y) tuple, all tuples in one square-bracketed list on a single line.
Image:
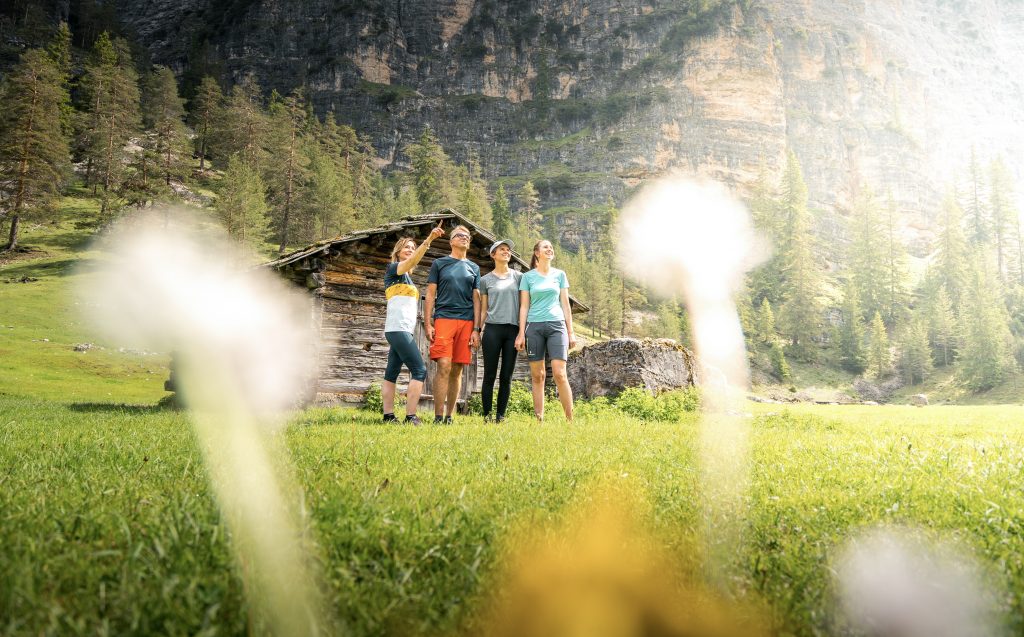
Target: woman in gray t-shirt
[(499, 321)]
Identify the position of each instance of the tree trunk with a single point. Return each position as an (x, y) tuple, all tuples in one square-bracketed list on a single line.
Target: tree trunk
[(12, 240)]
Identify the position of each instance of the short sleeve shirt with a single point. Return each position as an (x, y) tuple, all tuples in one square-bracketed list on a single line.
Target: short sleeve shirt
[(544, 294), (403, 300), (502, 297), (456, 280)]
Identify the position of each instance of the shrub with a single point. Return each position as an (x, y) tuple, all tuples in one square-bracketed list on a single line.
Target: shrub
[(668, 406), (374, 402)]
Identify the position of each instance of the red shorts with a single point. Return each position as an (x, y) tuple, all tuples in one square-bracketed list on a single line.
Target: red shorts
[(451, 340)]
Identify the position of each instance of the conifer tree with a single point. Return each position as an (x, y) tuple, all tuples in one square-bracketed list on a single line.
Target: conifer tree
[(895, 265), (206, 107), (111, 91), (1005, 221), (33, 145), (431, 171), (780, 367), (501, 210), (242, 203), (975, 207), (951, 252), (329, 198), (942, 328), (287, 165), (868, 254), (915, 362), (986, 352), (852, 356), (472, 196), (163, 114), (800, 310), (765, 281), (766, 331), (243, 126), (59, 50), (879, 357), (530, 218), (408, 202)]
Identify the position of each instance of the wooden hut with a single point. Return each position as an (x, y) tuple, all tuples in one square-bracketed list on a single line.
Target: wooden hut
[(345, 277)]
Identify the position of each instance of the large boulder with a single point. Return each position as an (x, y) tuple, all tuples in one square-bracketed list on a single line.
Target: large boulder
[(612, 366)]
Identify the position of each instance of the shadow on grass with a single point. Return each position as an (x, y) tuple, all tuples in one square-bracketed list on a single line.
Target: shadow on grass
[(167, 404), (62, 267)]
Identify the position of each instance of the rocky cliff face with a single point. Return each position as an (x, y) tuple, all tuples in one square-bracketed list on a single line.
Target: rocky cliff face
[(589, 98)]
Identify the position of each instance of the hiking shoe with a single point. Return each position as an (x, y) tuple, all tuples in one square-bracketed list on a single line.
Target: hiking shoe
[(488, 419), (413, 420), (448, 420), (438, 420), (389, 418), (499, 420)]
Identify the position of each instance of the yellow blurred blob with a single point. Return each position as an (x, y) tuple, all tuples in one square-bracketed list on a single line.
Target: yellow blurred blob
[(602, 573)]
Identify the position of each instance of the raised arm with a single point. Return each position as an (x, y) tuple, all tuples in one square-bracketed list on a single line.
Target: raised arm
[(563, 297), (414, 260)]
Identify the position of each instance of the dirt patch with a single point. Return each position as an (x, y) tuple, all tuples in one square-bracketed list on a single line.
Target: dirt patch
[(21, 253)]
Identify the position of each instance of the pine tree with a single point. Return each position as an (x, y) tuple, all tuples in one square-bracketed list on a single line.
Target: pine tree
[(163, 114), (111, 91), (431, 171), (765, 281), (985, 357), (780, 367), (288, 164), (800, 310), (894, 302), (501, 210), (868, 254), (242, 203), (852, 356), (328, 196), (530, 218), (879, 356), (59, 51), (951, 253), (915, 361), (242, 126), (206, 107), (1005, 221), (942, 328), (33, 145), (766, 331), (977, 213)]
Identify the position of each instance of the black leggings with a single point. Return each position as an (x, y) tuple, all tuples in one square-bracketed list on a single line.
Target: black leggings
[(499, 340)]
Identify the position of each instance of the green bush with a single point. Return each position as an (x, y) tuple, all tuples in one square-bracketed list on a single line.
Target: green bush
[(374, 402), (668, 406)]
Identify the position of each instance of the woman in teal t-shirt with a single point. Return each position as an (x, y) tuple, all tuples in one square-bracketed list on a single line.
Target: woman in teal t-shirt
[(545, 326)]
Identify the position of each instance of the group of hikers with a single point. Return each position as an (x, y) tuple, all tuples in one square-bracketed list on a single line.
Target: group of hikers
[(504, 312)]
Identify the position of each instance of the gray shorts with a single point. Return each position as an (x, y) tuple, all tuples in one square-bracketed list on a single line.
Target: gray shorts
[(548, 337)]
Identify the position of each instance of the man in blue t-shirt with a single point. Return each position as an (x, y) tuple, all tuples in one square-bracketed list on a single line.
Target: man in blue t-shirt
[(449, 315)]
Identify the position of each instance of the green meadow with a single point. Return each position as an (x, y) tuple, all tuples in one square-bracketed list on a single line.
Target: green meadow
[(108, 524)]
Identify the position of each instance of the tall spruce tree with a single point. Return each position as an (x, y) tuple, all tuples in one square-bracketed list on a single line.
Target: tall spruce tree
[(852, 354), (243, 126), (802, 283), (766, 330), (942, 327), (111, 92), (915, 361), (329, 196), (501, 210), (287, 167), (204, 110), (530, 218), (975, 207), (163, 115), (879, 356), (33, 143), (867, 257), (951, 249), (1005, 220), (894, 303), (432, 172), (242, 203), (987, 343)]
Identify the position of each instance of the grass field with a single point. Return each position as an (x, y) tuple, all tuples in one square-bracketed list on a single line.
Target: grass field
[(108, 525)]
